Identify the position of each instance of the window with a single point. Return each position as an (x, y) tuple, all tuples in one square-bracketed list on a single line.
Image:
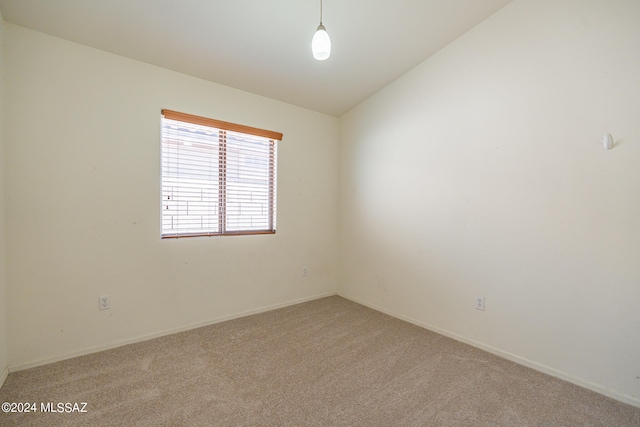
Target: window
[(218, 178)]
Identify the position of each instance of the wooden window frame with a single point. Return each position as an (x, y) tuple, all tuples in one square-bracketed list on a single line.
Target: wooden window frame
[(223, 127)]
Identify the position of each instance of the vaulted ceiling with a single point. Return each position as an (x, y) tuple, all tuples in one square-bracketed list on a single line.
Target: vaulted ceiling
[(264, 46)]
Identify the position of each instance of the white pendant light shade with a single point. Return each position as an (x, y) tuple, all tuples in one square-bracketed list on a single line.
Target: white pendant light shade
[(321, 44)]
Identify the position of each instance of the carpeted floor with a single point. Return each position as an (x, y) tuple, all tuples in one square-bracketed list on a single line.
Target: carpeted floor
[(328, 362)]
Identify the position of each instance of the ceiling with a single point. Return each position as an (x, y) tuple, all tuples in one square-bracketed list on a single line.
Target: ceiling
[(264, 46)]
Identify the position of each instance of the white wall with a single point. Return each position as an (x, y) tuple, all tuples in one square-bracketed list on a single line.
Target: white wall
[(479, 173), (3, 267), (83, 189)]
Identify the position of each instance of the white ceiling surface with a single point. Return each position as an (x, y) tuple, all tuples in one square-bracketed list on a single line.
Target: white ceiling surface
[(264, 46)]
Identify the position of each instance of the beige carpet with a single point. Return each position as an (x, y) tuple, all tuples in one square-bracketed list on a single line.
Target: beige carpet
[(329, 362)]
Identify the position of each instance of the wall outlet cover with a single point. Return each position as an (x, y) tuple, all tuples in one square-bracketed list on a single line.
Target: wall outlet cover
[(104, 302)]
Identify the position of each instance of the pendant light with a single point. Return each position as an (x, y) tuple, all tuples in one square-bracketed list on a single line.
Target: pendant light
[(321, 43)]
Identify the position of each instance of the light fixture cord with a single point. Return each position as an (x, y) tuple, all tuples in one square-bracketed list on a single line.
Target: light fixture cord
[(320, 12)]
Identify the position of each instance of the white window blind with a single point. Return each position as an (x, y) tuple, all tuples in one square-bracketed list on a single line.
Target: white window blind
[(218, 178)]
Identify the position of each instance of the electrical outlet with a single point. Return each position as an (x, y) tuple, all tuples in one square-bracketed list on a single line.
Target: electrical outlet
[(305, 271), (480, 303), (104, 302)]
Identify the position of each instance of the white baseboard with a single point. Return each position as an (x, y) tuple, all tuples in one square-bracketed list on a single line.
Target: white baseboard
[(621, 397), (95, 349), (3, 376)]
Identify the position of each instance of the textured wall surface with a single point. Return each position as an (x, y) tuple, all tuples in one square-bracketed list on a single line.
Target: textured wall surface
[(479, 173), (83, 198)]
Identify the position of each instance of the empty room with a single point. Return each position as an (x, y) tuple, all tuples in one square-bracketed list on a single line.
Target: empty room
[(320, 212)]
